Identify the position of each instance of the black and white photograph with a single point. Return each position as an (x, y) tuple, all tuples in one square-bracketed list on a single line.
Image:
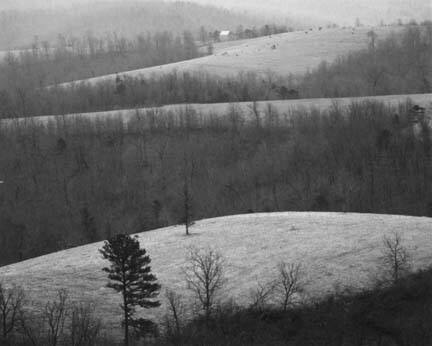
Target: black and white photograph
[(215, 172)]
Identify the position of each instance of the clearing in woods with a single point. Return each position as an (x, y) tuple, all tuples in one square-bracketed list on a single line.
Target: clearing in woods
[(293, 52)]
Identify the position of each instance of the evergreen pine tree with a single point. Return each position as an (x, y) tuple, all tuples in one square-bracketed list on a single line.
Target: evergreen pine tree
[(131, 275)]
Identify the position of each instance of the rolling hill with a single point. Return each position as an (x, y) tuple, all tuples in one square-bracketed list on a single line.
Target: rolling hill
[(335, 250), (244, 108), (293, 52)]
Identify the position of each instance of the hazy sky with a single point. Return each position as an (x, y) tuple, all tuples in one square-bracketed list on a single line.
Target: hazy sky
[(341, 11)]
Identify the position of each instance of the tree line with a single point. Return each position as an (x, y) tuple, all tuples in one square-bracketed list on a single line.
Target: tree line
[(19, 26), (241, 33), (399, 64), (75, 181), (131, 92), (74, 58)]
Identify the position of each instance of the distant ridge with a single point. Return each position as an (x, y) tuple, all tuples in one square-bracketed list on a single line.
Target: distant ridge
[(18, 28)]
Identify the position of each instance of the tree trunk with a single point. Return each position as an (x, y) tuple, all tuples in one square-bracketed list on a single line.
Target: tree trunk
[(126, 326)]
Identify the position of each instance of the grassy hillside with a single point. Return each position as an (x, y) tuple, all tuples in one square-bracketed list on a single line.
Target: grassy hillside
[(244, 108), (336, 250), (294, 52)]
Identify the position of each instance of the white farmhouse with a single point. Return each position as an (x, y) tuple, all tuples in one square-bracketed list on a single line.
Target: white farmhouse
[(225, 35)]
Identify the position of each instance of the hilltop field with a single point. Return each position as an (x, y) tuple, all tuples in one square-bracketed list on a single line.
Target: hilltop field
[(289, 53), (336, 250)]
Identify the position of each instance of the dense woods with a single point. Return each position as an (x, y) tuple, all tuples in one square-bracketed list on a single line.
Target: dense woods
[(131, 92), (400, 64), (18, 27), (79, 180), (72, 58)]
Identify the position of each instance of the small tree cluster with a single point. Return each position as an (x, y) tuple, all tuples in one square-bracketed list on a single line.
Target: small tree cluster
[(282, 290), (59, 322)]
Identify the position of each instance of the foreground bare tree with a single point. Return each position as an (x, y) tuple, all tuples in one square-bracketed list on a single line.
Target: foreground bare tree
[(59, 323), (205, 276), (288, 283), (11, 301), (46, 327), (396, 258), (261, 295), (84, 328), (176, 311), (55, 314)]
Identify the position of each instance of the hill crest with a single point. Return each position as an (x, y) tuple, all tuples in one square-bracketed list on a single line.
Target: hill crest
[(336, 249)]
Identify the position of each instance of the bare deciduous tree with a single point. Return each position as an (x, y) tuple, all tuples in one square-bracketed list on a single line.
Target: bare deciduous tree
[(55, 315), (256, 113), (396, 257), (372, 36), (205, 276), (11, 301), (30, 327), (84, 328), (47, 327), (187, 206), (261, 295), (188, 169), (176, 312), (288, 283)]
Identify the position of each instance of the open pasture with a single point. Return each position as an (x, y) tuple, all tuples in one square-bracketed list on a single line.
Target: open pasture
[(335, 250), (289, 53)]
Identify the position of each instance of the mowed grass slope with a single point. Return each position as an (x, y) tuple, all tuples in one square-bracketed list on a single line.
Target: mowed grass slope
[(335, 250), (293, 52)]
